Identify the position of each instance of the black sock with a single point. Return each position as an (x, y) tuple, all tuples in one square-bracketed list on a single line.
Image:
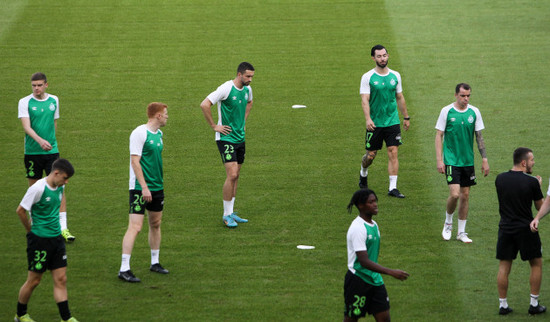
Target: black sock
[(64, 310), (21, 309)]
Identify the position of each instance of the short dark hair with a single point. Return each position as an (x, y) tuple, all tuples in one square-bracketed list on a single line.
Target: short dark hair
[(464, 86), (63, 165), (360, 197), (521, 154), (244, 66), (375, 48), (39, 76)]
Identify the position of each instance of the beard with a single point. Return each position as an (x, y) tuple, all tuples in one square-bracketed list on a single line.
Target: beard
[(382, 65)]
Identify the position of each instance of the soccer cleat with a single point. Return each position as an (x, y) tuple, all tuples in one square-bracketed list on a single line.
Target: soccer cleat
[(158, 269), (504, 311), (128, 276), (237, 218), (72, 319), (537, 309), (447, 230), (24, 318), (363, 182), (229, 221), (67, 235), (463, 237), (395, 193)]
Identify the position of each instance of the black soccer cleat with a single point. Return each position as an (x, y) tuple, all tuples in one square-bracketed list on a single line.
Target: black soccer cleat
[(363, 182), (504, 311), (537, 309), (128, 276), (158, 269), (395, 193)]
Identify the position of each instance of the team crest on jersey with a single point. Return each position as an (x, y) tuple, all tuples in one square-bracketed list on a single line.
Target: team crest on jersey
[(470, 119), (52, 107), (48, 199), (453, 119), (151, 142), (392, 82), (34, 108)]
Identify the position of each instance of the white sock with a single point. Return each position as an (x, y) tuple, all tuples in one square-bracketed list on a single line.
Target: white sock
[(364, 171), (227, 208), (393, 182), (63, 220), (503, 302), (232, 204), (461, 226), (155, 256), (125, 263), (534, 300), (448, 218)]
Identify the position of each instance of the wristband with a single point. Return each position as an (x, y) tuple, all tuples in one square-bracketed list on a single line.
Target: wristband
[(407, 118)]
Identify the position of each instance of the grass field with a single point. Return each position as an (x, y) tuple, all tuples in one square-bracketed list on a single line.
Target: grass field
[(107, 60)]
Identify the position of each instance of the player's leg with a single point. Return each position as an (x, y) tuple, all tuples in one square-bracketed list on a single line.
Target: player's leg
[(135, 223), (504, 268), (393, 169), (464, 203), (383, 316), (452, 201), (155, 220), (59, 277), (373, 143), (535, 277), (25, 292), (232, 170)]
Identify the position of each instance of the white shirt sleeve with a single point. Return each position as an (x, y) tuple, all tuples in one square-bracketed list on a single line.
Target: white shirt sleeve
[(479, 121), (137, 140), (56, 114), (358, 239), (33, 195), (220, 93), (399, 87), (365, 87), (249, 93), (23, 107), (548, 192), (442, 119)]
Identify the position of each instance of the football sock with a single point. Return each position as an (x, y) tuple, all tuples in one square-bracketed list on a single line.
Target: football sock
[(364, 171), (125, 263), (63, 220), (534, 300), (461, 226), (232, 204), (448, 218), (64, 310), (393, 182), (227, 208), (503, 302), (155, 256), (21, 309)]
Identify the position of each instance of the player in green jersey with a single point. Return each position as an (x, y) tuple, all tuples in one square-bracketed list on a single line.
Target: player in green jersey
[(45, 245), (39, 112), (381, 97), (234, 102), (364, 290), (456, 126), (146, 189)]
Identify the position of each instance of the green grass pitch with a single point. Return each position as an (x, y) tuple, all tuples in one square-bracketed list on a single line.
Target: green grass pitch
[(107, 60)]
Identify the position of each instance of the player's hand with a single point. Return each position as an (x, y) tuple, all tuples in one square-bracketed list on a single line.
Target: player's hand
[(399, 274), (534, 225), (370, 125), (539, 178), (146, 194), (485, 167), (223, 129), (45, 145), (441, 167), (406, 124)]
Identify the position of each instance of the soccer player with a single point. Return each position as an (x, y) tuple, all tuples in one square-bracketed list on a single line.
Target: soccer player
[(234, 101), (456, 126), (381, 94), (364, 290), (517, 190), (146, 189), (39, 112), (45, 244)]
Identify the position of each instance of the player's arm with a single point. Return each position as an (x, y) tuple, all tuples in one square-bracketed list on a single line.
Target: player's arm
[(439, 151), (138, 171), (400, 99), (483, 152), (25, 220), (206, 110), (248, 108), (542, 211), (366, 110), (364, 260), (26, 122)]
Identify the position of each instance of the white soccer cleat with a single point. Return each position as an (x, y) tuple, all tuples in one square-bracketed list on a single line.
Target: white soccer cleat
[(463, 237), (447, 229)]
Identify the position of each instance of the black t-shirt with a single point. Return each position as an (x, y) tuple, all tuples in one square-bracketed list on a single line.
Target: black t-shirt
[(516, 192)]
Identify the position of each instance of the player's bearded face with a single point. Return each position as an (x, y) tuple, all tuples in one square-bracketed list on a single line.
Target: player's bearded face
[(246, 78)]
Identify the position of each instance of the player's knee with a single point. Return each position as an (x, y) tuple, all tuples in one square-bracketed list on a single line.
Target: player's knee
[(371, 155), (60, 280)]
